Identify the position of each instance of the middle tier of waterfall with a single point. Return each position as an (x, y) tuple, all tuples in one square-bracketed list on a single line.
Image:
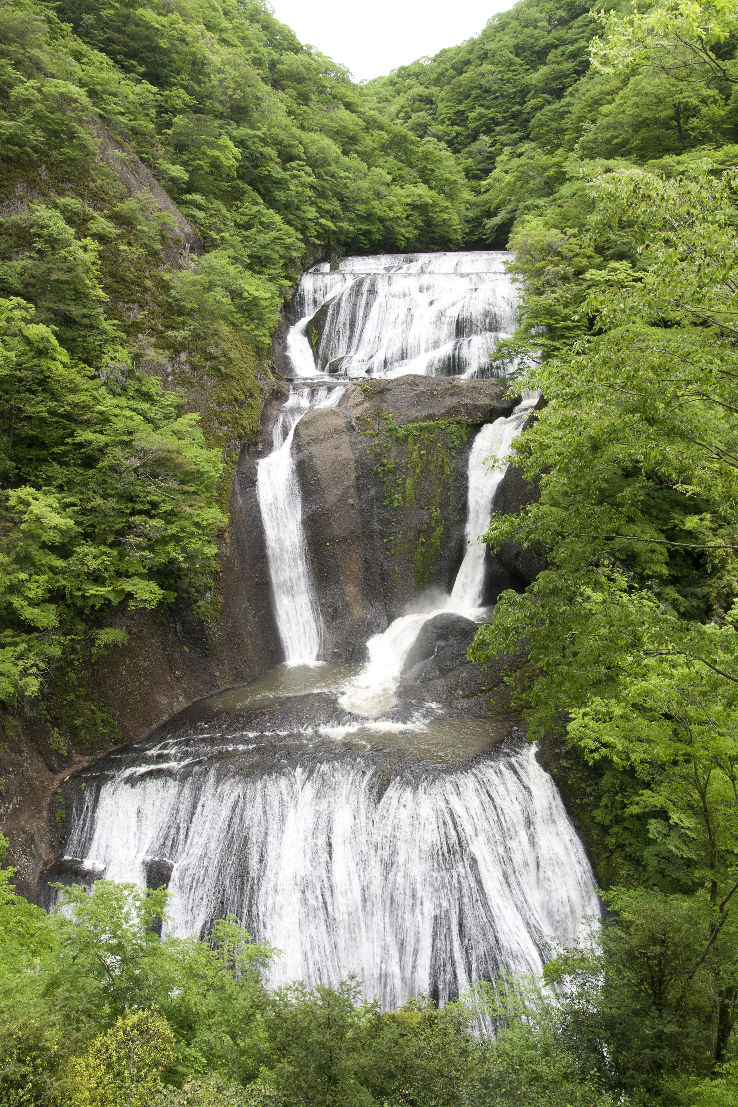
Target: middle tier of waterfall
[(372, 691), (296, 608)]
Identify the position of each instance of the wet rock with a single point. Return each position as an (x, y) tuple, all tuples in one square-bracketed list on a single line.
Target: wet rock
[(512, 565), (413, 399), (337, 512), (279, 358), (65, 871), (437, 668), (158, 872), (444, 639)]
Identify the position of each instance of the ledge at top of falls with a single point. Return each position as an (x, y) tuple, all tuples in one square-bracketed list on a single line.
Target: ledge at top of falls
[(414, 399)]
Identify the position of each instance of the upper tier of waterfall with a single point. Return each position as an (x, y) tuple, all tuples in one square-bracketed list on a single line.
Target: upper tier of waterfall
[(404, 313)]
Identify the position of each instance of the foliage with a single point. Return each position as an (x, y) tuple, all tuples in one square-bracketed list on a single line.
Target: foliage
[(106, 497), (630, 639), (95, 1008), (121, 1068)]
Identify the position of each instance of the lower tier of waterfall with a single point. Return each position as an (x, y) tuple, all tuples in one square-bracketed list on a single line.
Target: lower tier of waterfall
[(417, 877)]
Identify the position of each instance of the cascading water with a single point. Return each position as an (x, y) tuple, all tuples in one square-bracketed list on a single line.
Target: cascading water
[(487, 465), (372, 691), (420, 313), (295, 605), (417, 878), (355, 835)]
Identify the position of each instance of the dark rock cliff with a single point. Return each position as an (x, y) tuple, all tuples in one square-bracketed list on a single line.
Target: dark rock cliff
[(384, 483)]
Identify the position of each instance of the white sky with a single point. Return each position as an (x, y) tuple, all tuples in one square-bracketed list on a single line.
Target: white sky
[(375, 36)]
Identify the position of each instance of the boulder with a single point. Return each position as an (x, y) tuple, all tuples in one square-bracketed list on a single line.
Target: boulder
[(437, 668), (444, 639)]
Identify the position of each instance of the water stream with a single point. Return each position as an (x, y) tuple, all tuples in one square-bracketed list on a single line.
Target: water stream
[(280, 501)]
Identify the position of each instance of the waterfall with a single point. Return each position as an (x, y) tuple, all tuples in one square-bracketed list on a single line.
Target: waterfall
[(404, 850), (418, 879), (295, 607), (316, 287), (487, 467), (372, 691)]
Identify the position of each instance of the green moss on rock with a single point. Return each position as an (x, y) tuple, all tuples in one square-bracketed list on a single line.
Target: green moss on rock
[(414, 464)]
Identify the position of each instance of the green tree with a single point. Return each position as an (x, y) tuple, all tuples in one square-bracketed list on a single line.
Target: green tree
[(122, 1067)]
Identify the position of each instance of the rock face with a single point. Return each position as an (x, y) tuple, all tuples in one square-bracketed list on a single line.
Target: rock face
[(136, 179), (384, 488), (414, 399), (437, 669)]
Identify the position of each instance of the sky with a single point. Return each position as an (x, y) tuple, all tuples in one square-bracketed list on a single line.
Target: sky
[(375, 36)]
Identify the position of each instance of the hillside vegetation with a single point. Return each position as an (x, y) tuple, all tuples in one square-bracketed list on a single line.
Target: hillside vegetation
[(604, 150), (136, 310)]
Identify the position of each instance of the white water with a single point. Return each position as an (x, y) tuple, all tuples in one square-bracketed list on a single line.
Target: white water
[(410, 313), (417, 880), (372, 691)]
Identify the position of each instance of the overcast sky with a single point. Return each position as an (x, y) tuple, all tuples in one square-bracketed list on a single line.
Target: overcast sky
[(375, 36)]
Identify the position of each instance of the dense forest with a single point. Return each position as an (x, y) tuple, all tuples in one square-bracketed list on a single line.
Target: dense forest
[(168, 166)]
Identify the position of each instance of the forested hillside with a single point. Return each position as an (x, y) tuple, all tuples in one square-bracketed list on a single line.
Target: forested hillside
[(167, 167), (133, 303)]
